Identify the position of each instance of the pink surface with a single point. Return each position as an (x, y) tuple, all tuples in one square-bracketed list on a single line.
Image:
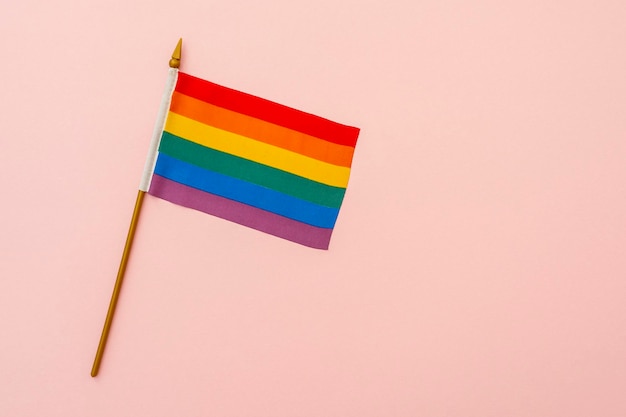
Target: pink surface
[(477, 267)]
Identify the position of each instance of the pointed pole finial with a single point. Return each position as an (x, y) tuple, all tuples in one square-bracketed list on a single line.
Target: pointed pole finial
[(175, 61)]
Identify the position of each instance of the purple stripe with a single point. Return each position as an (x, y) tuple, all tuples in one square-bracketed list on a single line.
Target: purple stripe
[(274, 224)]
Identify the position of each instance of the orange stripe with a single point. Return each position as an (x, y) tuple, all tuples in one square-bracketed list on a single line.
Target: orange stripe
[(262, 131)]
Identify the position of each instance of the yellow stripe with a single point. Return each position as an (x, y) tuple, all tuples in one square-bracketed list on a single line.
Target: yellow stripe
[(256, 151)]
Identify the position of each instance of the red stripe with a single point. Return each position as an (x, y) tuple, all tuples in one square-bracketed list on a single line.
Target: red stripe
[(266, 110)]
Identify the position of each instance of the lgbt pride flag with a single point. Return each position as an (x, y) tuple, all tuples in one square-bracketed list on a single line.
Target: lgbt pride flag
[(252, 161), (244, 159)]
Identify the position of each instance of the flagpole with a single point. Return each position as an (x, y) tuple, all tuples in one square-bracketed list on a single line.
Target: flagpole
[(174, 63)]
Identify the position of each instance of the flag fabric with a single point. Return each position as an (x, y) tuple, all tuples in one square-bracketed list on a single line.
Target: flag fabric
[(253, 161)]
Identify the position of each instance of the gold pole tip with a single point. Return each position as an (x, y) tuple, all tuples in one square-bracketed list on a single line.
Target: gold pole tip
[(175, 61)]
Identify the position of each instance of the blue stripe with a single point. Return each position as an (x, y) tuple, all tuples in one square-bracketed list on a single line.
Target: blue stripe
[(245, 192)]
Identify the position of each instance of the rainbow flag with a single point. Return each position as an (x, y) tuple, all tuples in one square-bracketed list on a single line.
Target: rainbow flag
[(252, 161)]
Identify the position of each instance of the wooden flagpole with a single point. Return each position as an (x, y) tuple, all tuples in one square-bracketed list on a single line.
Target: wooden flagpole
[(174, 63)]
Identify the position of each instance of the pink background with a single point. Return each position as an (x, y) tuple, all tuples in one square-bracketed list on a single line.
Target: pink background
[(478, 265)]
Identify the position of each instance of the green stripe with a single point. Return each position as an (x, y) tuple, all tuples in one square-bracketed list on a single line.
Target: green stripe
[(251, 171)]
